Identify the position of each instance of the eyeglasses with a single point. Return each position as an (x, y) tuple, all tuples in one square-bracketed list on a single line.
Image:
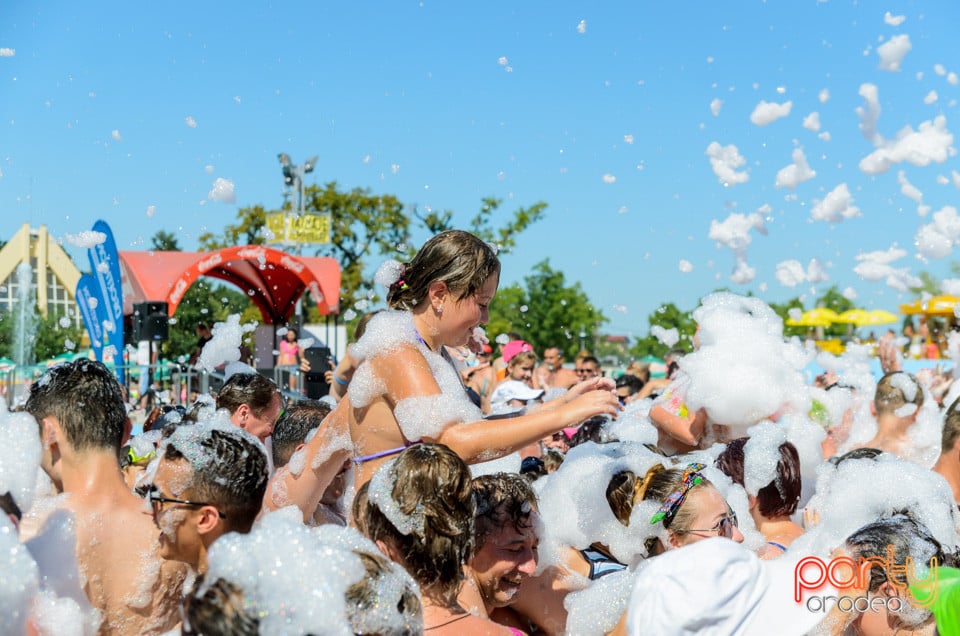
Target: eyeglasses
[(156, 502), (582, 371), (724, 527)]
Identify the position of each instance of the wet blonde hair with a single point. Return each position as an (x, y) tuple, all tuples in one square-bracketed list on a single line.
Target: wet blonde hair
[(889, 396)]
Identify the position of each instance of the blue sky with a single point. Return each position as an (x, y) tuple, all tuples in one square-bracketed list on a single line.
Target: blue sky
[(681, 146)]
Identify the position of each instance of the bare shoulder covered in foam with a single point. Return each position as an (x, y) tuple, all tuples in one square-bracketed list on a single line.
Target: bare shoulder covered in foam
[(419, 416), (385, 332)]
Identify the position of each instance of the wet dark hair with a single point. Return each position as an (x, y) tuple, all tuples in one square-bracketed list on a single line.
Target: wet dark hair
[(457, 258), (233, 478), (221, 610), (778, 498), (252, 389), (293, 426), (951, 427), (630, 381), (500, 499), (432, 481), (85, 398), (533, 468), (591, 431), (856, 453), (900, 532), (9, 506)]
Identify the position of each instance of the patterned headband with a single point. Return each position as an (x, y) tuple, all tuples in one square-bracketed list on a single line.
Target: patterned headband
[(691, 477)]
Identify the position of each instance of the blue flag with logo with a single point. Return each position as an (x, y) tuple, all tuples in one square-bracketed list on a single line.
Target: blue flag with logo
[(91, 308), (105, 261)]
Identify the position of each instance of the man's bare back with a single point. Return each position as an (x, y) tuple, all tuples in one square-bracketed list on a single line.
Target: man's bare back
[(122, 573)]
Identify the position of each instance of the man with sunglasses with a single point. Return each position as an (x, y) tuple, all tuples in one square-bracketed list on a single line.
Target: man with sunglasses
[(210, 480)]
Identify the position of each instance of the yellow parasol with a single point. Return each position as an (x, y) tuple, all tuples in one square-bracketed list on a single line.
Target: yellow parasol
[(816, 317), (867, 317), (941, 305)]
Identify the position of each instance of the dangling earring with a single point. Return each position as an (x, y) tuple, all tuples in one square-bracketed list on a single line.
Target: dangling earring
[(440, 309)]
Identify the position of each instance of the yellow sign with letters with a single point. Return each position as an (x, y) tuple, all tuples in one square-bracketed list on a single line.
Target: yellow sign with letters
[(306, 228)]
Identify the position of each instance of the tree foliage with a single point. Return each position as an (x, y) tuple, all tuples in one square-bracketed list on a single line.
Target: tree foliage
[(504, 236), (546, 311), (50, 339), (668, 316), (164, 241)]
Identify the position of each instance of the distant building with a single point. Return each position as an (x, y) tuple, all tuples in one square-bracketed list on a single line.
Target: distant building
[(54, 274)]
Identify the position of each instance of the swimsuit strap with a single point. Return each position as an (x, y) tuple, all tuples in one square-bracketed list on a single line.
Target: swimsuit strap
[(386, 453), (777, 545)]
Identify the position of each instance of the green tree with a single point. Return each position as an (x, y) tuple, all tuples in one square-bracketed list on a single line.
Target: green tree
[(165, 242), (504, 236), (546, 311), (668, 316), (55, 335), (783, 310), (247, 231)]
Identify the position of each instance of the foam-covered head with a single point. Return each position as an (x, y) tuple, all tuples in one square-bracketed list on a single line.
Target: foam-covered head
[(229, 469), (421, 506), (281, 578)]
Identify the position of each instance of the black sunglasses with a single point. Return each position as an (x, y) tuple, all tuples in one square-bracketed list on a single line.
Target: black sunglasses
[(153, 496)]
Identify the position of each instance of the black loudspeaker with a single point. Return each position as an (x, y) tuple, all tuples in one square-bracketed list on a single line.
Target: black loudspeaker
[(150, 322), (314, 383)]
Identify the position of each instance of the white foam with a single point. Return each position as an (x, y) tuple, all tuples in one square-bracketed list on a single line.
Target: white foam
[(860, 491), (20, 453), (224, 347), (291, 580), (744, 371), (574, 507), (20, 580), (906, 384), (595, 610), (761, 454)]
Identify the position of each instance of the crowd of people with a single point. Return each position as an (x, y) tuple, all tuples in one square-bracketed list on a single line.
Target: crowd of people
[(453, 485)]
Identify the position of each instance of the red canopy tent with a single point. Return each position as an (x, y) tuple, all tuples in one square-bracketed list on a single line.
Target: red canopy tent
[(273, 279)]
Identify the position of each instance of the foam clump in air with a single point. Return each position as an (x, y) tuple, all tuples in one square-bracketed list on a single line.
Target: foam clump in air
[(388, 273), (744, 371), (224, 347)]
